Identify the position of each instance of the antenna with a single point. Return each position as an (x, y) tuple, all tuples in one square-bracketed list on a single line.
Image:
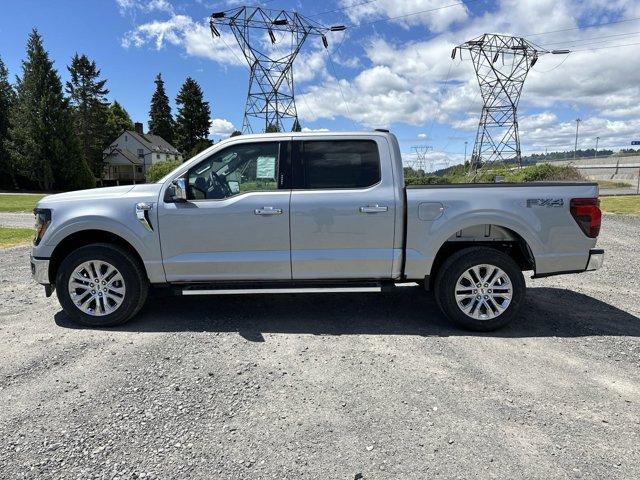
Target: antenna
[(270, 41), (501, 64)]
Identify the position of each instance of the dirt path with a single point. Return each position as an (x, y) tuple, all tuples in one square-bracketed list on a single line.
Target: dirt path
[(327, 386)]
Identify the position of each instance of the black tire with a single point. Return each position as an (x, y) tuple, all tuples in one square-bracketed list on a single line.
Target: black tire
[(135, 280), (461, 261)]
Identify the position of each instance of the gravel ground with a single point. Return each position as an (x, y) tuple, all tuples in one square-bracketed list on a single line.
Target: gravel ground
[(327, 386), (16, 220)]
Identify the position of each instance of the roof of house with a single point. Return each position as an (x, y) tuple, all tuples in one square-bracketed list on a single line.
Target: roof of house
[(153, 142), (130, 156)]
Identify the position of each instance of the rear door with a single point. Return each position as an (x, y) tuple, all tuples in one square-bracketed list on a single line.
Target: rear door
[(342, 209), (235, 224)]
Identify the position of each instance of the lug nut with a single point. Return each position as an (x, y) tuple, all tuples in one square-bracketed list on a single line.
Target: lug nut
[(486, 296), (93, 291)]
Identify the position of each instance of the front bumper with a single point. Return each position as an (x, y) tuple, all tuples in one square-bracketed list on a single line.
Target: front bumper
[(40, 270), (596, 259)]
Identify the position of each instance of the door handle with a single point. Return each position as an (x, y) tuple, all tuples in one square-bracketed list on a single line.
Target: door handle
[(373, 209), (268, 211)]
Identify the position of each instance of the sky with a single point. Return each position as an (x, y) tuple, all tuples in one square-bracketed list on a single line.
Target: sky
[(391, 68)]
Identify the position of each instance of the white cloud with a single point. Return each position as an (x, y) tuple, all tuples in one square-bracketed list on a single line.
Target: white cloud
[(435, 17), (194, 37), (221, 127), (144, 6), (307, 129), (422, 135)]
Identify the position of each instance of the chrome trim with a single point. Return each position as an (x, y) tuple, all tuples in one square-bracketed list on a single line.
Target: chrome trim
[(40, 270), (268, 211), (373, 209), (596, 259), (244, 291), (141, 214)]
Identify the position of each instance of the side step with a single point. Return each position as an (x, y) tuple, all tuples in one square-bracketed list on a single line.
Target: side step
[(271, 288)]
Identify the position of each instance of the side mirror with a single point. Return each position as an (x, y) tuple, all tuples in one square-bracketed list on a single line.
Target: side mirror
[(177, 191)]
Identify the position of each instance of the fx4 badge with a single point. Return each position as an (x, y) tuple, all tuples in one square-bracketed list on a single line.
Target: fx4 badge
[(545, 202)]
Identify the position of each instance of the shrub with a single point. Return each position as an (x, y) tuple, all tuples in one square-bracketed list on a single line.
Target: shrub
[(160, 169), (426, 180)]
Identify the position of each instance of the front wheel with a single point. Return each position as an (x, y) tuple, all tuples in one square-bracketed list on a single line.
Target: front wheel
[(480, 288), (101, 285)]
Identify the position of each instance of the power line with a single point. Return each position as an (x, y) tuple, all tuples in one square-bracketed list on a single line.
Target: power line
[(608, 46), (581, 40), (340, 9), (582, 28), (415, 13)]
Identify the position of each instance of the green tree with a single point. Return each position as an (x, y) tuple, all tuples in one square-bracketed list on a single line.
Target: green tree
[(160, 169), (160, 118), (193, 119), (87, 97), (235, 133), (42, 143), (118, 121), (7, 177), (272, 128), (296, 126)]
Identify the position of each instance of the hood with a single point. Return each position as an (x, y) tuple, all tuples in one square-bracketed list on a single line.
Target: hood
[(91, 193), (104, 193)]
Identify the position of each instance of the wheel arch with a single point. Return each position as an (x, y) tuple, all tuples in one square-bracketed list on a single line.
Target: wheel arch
[(499, 237), (82, 238)]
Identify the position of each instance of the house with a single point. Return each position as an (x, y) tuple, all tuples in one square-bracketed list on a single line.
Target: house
[(130, 155)]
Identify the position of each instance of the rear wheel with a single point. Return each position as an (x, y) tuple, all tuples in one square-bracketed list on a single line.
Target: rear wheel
[(101, 285), (480, 288)]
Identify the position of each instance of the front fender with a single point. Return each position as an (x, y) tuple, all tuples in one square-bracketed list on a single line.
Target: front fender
[(118, 220)]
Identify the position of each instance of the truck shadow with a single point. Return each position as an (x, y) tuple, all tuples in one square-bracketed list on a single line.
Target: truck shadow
[(548, 312)]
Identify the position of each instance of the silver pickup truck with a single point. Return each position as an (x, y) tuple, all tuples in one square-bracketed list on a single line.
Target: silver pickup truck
[(310, 212)]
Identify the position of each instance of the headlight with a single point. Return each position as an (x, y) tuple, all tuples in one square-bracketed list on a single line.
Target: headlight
[(43, 219)]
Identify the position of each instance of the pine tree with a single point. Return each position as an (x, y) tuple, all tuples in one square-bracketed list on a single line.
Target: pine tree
[(87, 95), (7, 177), (42, 143), (272, 128), (296, 126), (118, 120), (235, 133), (160, 118), (193, 119)]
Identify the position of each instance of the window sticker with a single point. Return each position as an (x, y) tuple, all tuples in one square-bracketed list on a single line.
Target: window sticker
[(266, 168)]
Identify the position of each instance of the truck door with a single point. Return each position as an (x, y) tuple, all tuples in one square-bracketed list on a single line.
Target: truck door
[(235, 223), (342, 209)]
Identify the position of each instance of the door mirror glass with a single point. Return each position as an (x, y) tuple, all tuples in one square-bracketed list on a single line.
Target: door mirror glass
[(177, 191), (234, 186)]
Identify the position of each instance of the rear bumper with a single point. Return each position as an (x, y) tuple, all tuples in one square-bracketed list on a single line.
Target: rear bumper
[(596, 259), (40, 270)]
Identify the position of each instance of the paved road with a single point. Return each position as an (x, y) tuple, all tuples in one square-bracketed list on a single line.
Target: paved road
[(16, 220), (327, 386)]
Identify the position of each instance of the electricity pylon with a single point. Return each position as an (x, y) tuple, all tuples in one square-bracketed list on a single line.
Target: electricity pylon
[(421, 161), (270, 41), (501, 64)]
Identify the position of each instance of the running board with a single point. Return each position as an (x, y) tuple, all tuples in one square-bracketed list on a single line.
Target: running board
[(244, 291)]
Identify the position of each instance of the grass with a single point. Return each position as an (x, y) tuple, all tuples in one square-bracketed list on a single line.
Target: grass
[(629, 204), (18, 203), (10, 237), (613, 184)]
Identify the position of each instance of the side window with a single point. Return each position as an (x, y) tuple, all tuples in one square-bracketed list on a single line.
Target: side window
[(340, 164), (247, 167)]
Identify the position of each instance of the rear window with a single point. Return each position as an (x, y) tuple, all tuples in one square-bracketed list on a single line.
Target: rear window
[(341, 164)]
